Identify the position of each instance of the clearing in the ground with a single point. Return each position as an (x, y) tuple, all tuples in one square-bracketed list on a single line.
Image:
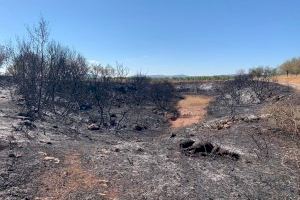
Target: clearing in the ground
[(192, 109)]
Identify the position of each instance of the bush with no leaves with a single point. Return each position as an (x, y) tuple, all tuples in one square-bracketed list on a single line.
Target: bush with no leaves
[(52, 77), (286, 115)]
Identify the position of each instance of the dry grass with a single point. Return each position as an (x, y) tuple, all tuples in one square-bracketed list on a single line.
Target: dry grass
[(291, 80), (192, 110), (285, 115), (288, 79)]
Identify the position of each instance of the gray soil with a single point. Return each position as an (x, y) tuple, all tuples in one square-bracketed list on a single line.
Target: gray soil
[(55, 159)]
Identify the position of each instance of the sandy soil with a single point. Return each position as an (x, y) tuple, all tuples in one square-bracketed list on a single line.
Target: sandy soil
[(192, 110)]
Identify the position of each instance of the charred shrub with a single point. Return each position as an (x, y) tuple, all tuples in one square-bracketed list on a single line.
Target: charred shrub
[(191, 148), (286, 115), (51, 77), (246, 89), (162, 94)]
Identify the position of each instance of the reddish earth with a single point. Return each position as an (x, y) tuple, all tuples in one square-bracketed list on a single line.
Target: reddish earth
[(59, 183), (192, 110)]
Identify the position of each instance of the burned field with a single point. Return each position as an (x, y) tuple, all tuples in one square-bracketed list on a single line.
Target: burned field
[(235, 151)]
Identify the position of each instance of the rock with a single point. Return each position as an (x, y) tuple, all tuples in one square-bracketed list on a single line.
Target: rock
[(265, 116), (140, 150), (140, 128), (173, 118), (226, 126), (173, 135), (26, 115), (277, 98), (14, 155), (45, 141), (85, 107), (204, 148), (220, 126), (251, 118), (11, 155), (21, 99), (93, 127), (49, 158), (113, 115), (186, 143)]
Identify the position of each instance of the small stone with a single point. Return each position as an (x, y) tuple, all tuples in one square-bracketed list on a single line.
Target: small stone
[(251, 118), (226, 126), (49, 158), (113, 115), (93, 127), (12, 155), (220, 127), (186, 143), (138, 128), (46, 141), (140, 150)]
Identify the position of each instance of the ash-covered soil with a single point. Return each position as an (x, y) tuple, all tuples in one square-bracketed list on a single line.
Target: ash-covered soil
[(62, 159)]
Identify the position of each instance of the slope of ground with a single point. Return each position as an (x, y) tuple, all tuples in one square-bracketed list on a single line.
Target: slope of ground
[(58, 160)]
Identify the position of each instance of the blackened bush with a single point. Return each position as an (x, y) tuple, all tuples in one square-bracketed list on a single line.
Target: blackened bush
[(54, 78), (162, 94)]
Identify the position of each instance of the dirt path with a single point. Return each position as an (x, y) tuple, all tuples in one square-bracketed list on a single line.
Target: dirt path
[(72, 178), (192, 109)]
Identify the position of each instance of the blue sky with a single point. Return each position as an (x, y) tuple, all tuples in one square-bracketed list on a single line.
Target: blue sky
[(193, 37)]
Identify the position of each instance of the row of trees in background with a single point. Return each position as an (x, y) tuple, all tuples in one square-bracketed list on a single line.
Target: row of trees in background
[(52, 77), (262, 72), (291, 66), (196, 78), (259, 72)]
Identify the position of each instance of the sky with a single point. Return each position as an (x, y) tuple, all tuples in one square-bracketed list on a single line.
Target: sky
[(168, 37)]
